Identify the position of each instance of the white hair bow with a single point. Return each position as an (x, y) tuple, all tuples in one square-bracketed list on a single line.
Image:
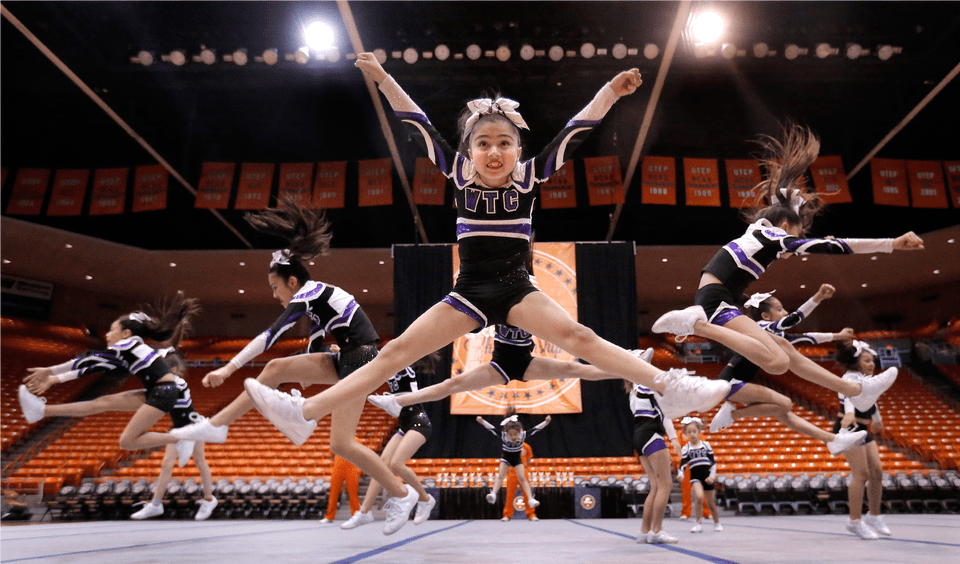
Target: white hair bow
[(862, 347), (139, 316), (280, 257), (165, 351), (794, 198), (503, 106), (756, 299), (509, 419), (687, 420)]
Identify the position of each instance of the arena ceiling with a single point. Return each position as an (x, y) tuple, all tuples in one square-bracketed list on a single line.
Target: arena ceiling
[(709, 106)]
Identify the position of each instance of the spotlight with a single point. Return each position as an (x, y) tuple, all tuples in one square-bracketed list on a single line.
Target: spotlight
[(332, 54), (318, 35), (760, 50), (792, 51), (240, 57), (526, 52), (620, 51), (650, 51), (824, 50), (145, 58), (556, 53), (884, 52), (854, 50), (380, 55), (410, 55), (503, 53), (178, 57), (302, 55), (442, 52), (707, 27), (587, 50), (270, 56), (474, 52), (207, 56), (728, 50)]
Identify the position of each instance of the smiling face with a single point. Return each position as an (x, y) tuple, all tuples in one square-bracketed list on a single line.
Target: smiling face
[(865, 362), (495, 150), (283, 290)]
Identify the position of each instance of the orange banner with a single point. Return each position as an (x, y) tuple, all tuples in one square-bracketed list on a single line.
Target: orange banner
[(658, 181), (330, 186), (29, 188), (376, 183), (604, 182), (554, 266), (889, 182), (560, 190), (150, 188), (213, 190), (295, 183), (69, 188), (109, 191), (830, 180), (743, 175), (953, 182), (253, 188), (702, 181), (429, 183), (927, 189)]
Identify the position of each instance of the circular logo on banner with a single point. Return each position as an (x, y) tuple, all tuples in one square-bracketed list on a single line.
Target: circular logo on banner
[(588, 502), (518, 504)]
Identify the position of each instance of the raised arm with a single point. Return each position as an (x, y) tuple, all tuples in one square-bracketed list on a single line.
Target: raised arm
[(487, 426)]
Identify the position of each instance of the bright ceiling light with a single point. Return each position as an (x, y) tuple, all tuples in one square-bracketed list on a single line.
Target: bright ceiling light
[(503, 53), (442, 52), (270, 56), (824, 50), (526, 52), (380, 55), (728, 51), (240, 57), (707, 27), (332, 54), (319, 35), (410, 55), (145, 58), (555, 53), (619, 51), (854, 50), (793, 51), (474, 52), (178, 57), (207, 56), (302, 55), (588, 50), (760, 50), (650, 51), (884, 52)]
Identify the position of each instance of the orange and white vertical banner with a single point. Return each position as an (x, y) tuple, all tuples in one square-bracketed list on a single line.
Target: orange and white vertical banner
[(889, 182), (429, 183), (554, 266), (560, 190), (28, 192), (150, 188), (109, 191), (927, 189), (296, 183), (330, 187), (216, 181), (830, 180), (658, 181), (253, 188), (743, 175), (68, 191), (702, 181), (604, 181), (952, 177), (376, 183)]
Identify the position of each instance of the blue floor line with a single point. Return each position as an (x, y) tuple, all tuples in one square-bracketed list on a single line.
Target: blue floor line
[(843, 534), (700, 555), (383, 549)]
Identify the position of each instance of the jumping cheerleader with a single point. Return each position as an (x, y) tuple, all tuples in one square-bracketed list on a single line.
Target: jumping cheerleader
[(776, 231), (761, 401), (512, 435)]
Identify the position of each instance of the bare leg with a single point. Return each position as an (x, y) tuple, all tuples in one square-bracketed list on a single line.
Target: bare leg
[(137, 434), (500, 476), (813, 372), (857, 460), (166, 472), (343, 428), (657, 467), (206, 477), (696, 492), (476, 379), (874, 478), (396, 454), (712, 504), (522, 480), (764, 402), (743, 335), (123, 401)]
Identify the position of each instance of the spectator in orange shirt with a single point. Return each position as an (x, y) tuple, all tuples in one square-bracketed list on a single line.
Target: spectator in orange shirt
[(526, 455)]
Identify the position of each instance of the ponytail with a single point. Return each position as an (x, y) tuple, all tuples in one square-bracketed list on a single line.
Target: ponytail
[(307, 232), (168, 321)]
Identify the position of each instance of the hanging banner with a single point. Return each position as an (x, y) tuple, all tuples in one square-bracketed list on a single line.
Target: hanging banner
[(330, 185), (927, 189), (295, 183), (429, 183), (889, 182), (953, 182), (376, 183), (658, 181), (604, 182), (29, 188), (150, 188), (743, 175), (560, 190), (702, 181), (830, 180), (253, 188), (109, 191), (213, 190), (554, 267), (69, 188)]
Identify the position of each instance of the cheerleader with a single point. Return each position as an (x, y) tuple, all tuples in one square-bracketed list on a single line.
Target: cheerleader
[(698, 456), (414, 431), (512, 435), (776, 230), (329, 309), (495, 192), (857, 359), (649, 430), (761, 401)]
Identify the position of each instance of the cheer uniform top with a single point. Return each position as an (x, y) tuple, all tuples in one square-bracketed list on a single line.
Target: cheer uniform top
[(741, 261), (494, 224), (701, 462), (862, 419), (329, 309), (412, 417), (511, 449), (649, 426)]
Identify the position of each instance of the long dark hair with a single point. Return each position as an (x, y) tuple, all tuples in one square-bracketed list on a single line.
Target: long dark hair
[(786, 161), (167, 321), (307, 232), (427, 364)]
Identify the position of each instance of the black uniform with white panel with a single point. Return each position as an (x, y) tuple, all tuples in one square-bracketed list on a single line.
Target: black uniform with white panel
[(412, 417)]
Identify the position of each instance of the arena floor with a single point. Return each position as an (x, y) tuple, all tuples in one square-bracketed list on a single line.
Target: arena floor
[(816, 539)]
